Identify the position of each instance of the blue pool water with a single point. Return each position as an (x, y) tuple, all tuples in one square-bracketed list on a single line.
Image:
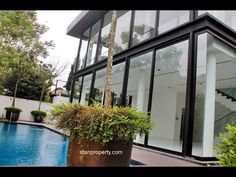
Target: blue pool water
[(28, 145)]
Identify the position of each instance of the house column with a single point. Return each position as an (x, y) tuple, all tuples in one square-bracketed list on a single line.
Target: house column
[(209, 111)]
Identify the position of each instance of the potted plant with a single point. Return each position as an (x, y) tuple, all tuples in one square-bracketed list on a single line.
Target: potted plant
[(100, 136), (38, 115), (12, 113)]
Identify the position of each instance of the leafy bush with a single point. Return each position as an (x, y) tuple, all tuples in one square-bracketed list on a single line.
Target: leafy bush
[(101, 124), (13, 109), (226, 149), (39, 113)]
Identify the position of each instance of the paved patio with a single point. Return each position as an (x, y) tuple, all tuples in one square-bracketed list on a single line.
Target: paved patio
[(156, 158)]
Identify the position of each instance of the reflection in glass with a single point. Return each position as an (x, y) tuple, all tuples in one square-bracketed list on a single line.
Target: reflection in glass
[(138, 85), (76, 91), (121, 35), (99, 84), (228, 16), (83, 50), (117, 83), (122, 31), (168, 99), (170, 19), (103, 44), (93, 43), (86, 89), (144, 25), (215, 93)]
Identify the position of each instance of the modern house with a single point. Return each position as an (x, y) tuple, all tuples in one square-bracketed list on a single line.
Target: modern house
[(178, 65)]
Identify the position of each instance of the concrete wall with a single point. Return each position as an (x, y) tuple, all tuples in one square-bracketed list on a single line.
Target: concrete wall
[(27, 106)]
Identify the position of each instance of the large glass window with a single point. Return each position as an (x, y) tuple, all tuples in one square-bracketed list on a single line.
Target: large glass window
[(93, 43), (86, 89), (171, 19), (138, 85), (144, 25), (168, 99), (117, 83), (76, 91), (122, 31), (228, 17), (103, 45), (215, 93), (83, 50), (121, 35), (99, 85)]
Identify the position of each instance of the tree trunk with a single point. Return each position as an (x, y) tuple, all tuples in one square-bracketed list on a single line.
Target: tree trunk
[(15, 90), (41, 98), (107, 101)]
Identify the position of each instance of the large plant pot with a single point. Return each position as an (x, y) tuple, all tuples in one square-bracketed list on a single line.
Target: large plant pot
[(8, 114), (91, 153), (15, 116), (38, 119)]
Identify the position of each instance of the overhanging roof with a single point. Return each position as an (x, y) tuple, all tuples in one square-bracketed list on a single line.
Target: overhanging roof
[(84, 20)]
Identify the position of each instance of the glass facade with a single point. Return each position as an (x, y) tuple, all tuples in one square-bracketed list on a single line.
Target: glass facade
[(144, 25), (228, 17), (99, 85), (122, 31), (215, 93), (171, 19), (92, 48), (169, 92), (103, 45), (117, 83), (85, 94), (83, 50), (76, 90), (138, 85)]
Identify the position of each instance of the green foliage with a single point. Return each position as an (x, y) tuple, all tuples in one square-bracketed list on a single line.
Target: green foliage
[(226, 149), (31, 83), (101, 124), (20, 49), (39, 113), (13, 109)]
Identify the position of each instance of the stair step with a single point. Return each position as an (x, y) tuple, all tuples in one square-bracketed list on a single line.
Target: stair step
[(228, 103)]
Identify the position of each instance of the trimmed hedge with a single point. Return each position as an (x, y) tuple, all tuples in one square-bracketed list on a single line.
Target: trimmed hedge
[(13, 109), (38, 113)]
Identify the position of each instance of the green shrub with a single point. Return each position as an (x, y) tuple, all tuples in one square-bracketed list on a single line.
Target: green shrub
[(226, 148), (38, 113), (13, 109), (101, 124)]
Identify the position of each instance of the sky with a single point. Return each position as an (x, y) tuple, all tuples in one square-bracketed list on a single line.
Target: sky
[(66, 47)]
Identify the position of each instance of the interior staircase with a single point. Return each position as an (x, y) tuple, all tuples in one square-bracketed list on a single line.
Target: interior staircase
[(227, 98)]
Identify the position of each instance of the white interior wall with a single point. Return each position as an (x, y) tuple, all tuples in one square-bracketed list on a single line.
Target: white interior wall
[(163, 112), (178, 120)]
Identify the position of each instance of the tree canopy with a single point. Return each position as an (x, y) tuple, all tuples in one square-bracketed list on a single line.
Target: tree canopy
[(22, 74)]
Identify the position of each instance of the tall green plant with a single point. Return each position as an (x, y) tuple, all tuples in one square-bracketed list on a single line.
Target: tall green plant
[(226, 148)]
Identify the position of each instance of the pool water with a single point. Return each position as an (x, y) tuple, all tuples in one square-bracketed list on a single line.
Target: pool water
[(29, 145)]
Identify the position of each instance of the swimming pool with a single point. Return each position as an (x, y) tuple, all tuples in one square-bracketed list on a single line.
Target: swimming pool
[(30, 145)]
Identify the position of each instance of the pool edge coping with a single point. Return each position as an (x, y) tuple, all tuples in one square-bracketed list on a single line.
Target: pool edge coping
[(37, 124)]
